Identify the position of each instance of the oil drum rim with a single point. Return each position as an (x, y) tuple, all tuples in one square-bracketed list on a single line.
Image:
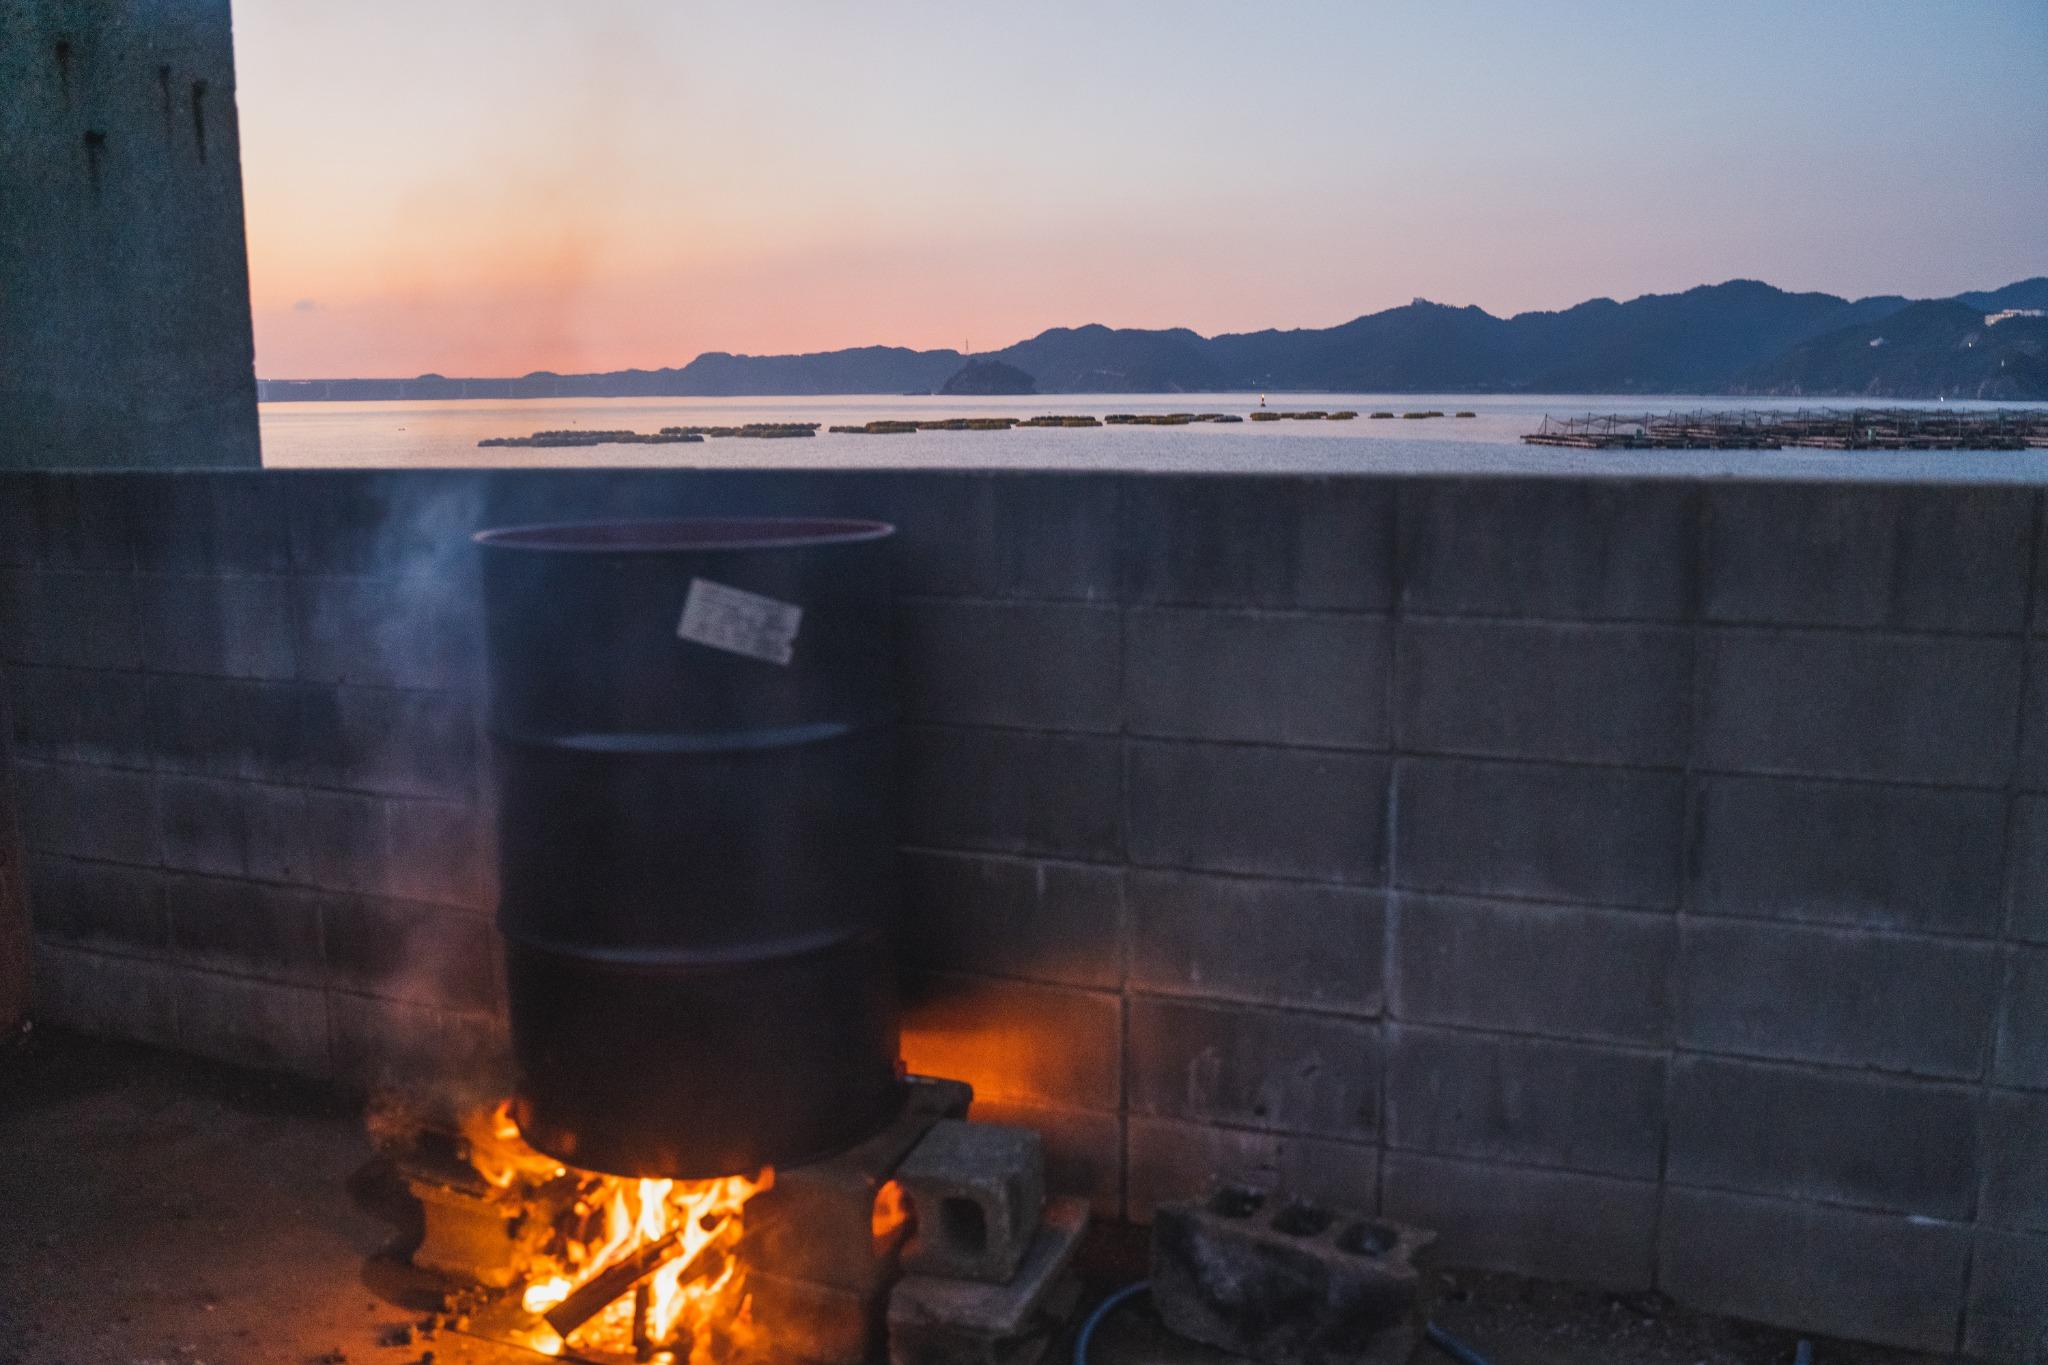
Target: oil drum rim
[(684, 535), (640, 960)]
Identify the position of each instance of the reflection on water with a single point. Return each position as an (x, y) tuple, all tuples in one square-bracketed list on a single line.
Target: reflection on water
[(445, 433)]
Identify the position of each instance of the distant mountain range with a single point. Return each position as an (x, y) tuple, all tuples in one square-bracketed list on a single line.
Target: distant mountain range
[(1742, 337)]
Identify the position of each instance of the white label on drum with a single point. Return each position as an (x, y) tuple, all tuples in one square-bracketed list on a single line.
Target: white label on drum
[(740, 622)]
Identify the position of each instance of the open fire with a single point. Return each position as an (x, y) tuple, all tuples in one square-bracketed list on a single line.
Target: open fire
[(616, 1266)]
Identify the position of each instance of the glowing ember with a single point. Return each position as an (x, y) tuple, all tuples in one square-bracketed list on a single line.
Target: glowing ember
[(657, 1254), (890, 1216)]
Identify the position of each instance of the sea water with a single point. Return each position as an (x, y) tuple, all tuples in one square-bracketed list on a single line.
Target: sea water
[(444, 433)]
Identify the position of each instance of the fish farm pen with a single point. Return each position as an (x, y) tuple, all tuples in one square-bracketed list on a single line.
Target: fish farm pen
[(1822, 429)]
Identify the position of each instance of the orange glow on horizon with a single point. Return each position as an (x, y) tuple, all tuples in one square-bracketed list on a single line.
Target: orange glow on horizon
[(490, 187)]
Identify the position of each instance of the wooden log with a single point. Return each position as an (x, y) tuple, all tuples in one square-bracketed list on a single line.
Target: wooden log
[(604, 1288)]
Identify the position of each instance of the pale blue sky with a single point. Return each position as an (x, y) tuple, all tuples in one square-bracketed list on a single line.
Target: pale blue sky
[(484, 185)]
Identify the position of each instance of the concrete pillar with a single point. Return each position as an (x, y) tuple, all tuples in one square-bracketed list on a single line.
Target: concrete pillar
[(14, 931), (124, 320)]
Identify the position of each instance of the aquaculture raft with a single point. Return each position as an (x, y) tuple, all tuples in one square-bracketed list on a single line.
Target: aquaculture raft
[(1820, 429)]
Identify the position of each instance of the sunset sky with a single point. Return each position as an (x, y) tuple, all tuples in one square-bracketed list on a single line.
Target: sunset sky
[(483, 187)]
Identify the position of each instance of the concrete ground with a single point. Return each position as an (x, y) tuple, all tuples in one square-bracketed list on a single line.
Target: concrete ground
[(159, 1210)]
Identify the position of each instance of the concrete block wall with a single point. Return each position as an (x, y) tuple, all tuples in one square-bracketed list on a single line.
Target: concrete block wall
[(124, 322), (1643, 883)]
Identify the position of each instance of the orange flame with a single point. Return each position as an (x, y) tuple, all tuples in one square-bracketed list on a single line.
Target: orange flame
[(889, 1216), (697, 1295)]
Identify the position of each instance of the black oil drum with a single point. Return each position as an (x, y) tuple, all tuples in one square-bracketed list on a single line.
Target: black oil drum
[(693, 727)]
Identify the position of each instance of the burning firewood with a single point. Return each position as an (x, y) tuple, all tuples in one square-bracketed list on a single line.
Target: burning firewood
[(615, 1281)]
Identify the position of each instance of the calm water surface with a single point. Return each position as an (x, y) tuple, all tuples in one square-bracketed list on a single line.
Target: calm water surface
[(445, 433)]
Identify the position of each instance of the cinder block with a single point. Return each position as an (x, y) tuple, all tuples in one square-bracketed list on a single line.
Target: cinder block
[(87, 521), (1036, 665), (1879, 1278), (1040, 921), (1848, 853), (106, 997), (1083, 1150), (407, 743), (1825, 995), (2034, 719), (820, 1323), (276, 834), (1264, 677), (253, 1023), (470, 1234), (222, 627), (256, 731), (199, 725), (514, 496), (80, 715), (17, 520), (1602, 835), (414, 630), (100, 905), (1016, 1041), (2027, 917), (1285, 1279), (404, 950), (1487, 1097), (108, 814), (1171, 1160), (2007, 1317), (1257, 941), (965, 533), (2015, 1193), (975, 1191), (215, 522), (386, 522), (435, 851), (1564, 971), (1834, 1137), (337, 842), (1555, 1225), (445, 1063), (1257, 1068), (205, 825), (2023, 1030), (1245, 541), (1539, 689), (818, 1223), (17, 610), (940, 1321), (1313, 814), (1910, 708), (249, 928), (1843, 554), (1568, 549), (75, 620), (1013, 791)]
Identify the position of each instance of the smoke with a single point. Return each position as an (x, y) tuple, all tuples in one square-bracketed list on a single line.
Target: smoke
[(541, 202)]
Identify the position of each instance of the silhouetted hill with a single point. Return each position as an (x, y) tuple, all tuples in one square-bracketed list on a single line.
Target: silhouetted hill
[(1925, 350), (2024, 294), (1098, 359), (1683, 343), (866, 369), (1739, 336), (1418, 346), (985, 378)]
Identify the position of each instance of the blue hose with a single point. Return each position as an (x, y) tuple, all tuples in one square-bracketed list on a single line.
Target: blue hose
[(1103, 1310), (1452, 1347)]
